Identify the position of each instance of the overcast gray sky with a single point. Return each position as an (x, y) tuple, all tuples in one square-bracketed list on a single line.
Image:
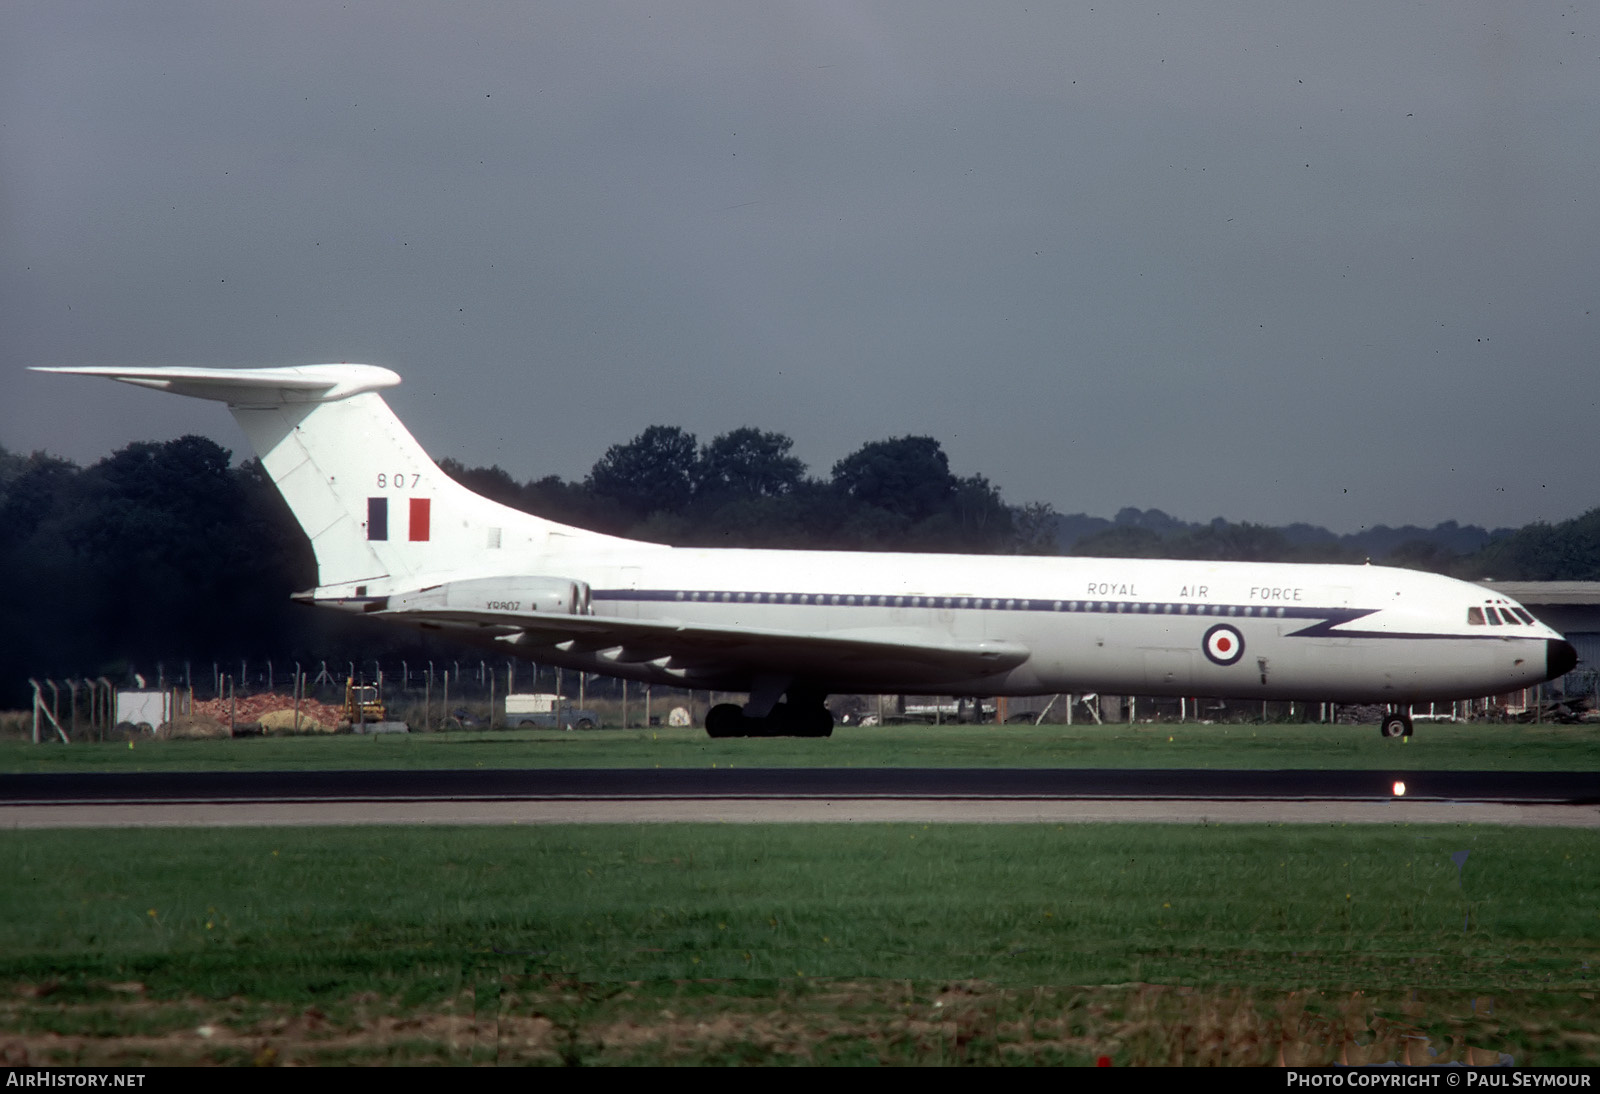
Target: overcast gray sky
[(1336, 263)]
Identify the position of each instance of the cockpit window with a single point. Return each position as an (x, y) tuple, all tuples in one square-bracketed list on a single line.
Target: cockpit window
[(1525, 616), (1494, 617), (1475, 617)]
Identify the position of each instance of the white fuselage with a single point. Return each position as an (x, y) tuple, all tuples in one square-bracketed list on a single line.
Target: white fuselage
[(1122, 626)]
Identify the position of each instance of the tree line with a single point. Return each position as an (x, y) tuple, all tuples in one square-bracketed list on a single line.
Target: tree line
[(166, 552), (746, 489)]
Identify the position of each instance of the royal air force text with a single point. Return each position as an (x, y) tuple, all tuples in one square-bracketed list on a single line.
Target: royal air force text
[(1271, 593)]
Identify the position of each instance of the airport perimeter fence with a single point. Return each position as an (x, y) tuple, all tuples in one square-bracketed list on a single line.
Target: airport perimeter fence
[(273, 696), (310, 697)]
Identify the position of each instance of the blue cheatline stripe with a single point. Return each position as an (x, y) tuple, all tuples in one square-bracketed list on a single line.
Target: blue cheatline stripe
[(377, 518), (975, 603), (1322, 621)]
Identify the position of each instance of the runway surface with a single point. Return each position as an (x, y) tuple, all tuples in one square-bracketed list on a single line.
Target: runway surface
[(795, 794)]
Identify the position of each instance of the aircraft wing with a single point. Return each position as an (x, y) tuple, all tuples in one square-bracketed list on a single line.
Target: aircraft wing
[(728, 651)]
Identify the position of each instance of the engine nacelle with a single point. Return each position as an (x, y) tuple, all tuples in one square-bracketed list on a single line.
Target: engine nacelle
[(511, 596)]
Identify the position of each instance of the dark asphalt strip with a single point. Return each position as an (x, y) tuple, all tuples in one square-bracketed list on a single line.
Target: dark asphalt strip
[(951, 784)]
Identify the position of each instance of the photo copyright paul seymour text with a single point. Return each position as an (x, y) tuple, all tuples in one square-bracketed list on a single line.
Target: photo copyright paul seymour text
[(1463, 1079)]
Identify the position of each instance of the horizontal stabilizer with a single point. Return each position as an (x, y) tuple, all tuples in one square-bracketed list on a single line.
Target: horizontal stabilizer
[(252, 387)]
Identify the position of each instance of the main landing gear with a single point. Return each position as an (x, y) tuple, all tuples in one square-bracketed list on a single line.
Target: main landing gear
[(1396, 723), (786, 720), (763, 716)]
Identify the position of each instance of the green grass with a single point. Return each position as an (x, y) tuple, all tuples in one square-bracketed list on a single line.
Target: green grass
[(567, 937), (807, 943), (1435, 747)]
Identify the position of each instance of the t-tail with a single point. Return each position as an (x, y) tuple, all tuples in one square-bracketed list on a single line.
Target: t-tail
[(381, 516)]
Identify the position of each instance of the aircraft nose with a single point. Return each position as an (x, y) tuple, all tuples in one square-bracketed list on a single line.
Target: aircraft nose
[(1559, 658)]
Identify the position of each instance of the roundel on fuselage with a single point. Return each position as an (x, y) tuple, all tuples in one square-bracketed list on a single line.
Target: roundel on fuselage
[(1223, 645)]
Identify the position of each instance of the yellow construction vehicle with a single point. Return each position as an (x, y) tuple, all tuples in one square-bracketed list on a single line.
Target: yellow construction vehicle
[(362, 703)]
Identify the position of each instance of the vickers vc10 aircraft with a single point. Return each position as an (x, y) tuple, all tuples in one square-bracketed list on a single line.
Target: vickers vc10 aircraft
[(396, 538)]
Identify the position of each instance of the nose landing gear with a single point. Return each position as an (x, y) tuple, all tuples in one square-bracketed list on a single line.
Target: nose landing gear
[(1396, 723)]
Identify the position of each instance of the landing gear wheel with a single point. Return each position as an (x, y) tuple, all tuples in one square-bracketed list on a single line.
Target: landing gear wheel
[(792, 720), (725, 720), (1395, 724), (819, 723)]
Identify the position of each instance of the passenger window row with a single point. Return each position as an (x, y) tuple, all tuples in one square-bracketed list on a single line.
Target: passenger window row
[(969, 602)]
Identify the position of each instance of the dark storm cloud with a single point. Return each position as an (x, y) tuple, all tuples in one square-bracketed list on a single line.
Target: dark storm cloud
[(1332, 265)]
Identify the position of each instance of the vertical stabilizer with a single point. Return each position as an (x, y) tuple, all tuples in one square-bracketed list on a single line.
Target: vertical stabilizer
[(377, 510)]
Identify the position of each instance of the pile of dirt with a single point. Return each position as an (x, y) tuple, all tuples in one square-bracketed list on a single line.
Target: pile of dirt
[(195, 727), (285, 721), (273, 712)]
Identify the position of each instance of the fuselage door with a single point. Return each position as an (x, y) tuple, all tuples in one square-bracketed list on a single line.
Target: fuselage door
[(627, 608)]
